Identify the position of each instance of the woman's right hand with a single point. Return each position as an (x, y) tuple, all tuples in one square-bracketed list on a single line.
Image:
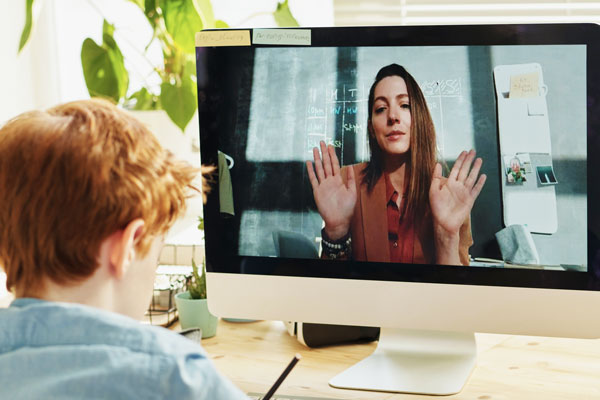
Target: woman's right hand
[(335, 200)]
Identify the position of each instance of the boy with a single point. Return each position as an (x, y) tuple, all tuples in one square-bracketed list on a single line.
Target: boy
[(86, 196)]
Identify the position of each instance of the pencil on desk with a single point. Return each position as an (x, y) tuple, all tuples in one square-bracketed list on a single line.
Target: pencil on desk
[(283, 375)]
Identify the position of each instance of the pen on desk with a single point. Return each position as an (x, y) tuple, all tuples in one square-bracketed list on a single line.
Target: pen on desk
[(283, 375)]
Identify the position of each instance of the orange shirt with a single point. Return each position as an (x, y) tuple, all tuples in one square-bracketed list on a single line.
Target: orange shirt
[(401, 227)]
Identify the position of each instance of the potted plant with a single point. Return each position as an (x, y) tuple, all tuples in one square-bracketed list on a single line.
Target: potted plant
[(192, 305), (173, 24)]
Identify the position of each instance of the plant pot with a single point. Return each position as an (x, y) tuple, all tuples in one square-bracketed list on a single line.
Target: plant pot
[(193, 313)]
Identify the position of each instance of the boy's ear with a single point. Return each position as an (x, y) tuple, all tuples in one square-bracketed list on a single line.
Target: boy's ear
[(122, 251)]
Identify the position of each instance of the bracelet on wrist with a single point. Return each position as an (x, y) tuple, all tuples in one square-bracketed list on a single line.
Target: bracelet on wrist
[(330, 241), (336, 248)]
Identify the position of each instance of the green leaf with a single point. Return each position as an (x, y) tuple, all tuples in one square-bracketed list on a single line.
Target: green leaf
[(150, 12), (116, 58), (189, 69), (179, 101), (28, 24), (139, 3), (205, 10), (144, 100), (283, 16), (99, 74), (221, 24), (149, 6), (182, 21), (103, 67), (107, 29), (197, 284)]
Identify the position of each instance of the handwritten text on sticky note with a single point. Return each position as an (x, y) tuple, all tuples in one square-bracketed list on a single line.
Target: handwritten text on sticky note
[(223, 38), (282, 36), (524, 85)]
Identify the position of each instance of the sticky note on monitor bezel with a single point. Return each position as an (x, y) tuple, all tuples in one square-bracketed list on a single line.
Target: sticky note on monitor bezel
[(224, 37), (285, 37)]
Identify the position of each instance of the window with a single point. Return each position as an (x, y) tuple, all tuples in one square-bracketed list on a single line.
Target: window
[(444, 12)]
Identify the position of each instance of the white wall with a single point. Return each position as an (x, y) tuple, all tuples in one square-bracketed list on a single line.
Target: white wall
[(16, 72), (244, 13)]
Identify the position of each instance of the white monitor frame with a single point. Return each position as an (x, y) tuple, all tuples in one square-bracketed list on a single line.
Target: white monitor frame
[(459, 308)]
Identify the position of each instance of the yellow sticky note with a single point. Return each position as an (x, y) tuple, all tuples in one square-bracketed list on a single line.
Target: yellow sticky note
[(224, 37), (282, 36), (524, 85)]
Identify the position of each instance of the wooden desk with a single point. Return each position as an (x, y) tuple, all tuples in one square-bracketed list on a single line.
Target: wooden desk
[(253, 355)]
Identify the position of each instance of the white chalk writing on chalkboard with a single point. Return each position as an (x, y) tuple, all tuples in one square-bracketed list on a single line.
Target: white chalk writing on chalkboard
[(353, 127), (315, 125), (316, 111), (444, 87), (333, 111), (314, 140)]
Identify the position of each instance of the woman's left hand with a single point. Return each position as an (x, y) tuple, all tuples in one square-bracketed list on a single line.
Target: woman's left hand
[(452, 199)]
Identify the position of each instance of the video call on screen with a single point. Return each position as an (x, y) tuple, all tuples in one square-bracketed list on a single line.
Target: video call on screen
[(273, 105)]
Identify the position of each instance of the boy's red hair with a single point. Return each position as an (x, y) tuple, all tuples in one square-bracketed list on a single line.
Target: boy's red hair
[(70, 177)]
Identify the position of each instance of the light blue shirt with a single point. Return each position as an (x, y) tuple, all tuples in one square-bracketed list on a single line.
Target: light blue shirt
[(52, 350)]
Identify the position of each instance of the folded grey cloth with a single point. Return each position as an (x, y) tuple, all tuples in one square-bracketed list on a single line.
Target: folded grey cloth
[(517, 246)]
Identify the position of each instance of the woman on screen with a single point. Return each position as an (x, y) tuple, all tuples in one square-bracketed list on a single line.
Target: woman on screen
[(396, 207)]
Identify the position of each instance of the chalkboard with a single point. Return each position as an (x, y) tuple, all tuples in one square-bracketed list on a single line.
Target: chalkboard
[(271, 106)]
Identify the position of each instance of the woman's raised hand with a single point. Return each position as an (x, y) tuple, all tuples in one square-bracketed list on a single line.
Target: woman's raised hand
[(452, 199), (335, 200)]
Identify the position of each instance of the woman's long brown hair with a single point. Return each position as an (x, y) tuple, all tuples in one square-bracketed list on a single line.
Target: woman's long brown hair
[(422, 144)]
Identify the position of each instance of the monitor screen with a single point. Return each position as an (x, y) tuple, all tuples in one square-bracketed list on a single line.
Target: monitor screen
[(524, 97)]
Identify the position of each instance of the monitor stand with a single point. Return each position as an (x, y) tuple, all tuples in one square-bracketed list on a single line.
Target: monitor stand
[(412, 361)]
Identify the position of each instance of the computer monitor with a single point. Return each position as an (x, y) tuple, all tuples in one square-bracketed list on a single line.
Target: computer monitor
[(525, 97)]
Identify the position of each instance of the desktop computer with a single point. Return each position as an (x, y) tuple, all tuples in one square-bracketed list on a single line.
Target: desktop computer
[(285, 112)]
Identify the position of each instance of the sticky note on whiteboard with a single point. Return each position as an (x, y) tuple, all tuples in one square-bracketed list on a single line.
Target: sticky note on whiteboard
[(293, 37), (224, 37), (524, 85)]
